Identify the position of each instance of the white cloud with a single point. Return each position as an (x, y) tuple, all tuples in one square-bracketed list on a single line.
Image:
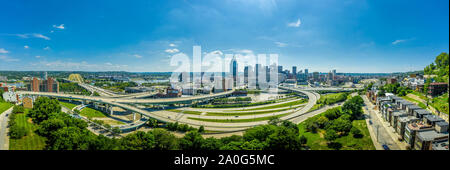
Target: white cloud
[(280, 44), (8, 59), (52, 31), (3, 51), (295, 24), (47, 48), (38, 56), (41, 36), (26, 47), (398, 41), (77, 66), (172, 45), (59, 27), (137, 56), (243, 51), (172, 50)]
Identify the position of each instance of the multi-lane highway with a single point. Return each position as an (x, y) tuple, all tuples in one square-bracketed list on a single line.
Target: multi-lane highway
[(104, 99), (166, 116)]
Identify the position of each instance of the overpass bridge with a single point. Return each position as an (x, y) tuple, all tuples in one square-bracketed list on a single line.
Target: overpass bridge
[(127, 104), (104, 99), (108, 93)]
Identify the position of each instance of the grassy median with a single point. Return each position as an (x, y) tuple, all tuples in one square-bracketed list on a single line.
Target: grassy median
[(31, 141), (239, 120)]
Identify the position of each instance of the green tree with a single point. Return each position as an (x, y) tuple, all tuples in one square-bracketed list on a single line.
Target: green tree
[(164, 140), (17, 132), (211, 143), (330, 135), (191, 141), (303, 140), (50, 125), (18, 109), (201, 129), (284, 139), (356, 132), (138, 141), (43, 108)]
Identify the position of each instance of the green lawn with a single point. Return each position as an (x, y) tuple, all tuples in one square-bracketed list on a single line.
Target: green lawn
[(68, 105), (441, 103), (238, 120), (316, 141), (90, 113), (246, 105), (248, 113), (315, 107), (185, 111), (332, 98), (329, 99), (4, 106), (420, 104), (293, 103), (31, 141), (419, 94)]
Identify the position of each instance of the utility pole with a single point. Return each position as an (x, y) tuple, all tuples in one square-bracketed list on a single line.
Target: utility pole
[(377, 132)]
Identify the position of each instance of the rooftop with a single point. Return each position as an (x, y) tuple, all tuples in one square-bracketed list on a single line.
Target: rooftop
[(399, 113), (442, 123), (413, 107), (407, 119), (419, 126), (404, 102), (430, 135), (442, 145), (438, 83), (422, 112), (433, 118)]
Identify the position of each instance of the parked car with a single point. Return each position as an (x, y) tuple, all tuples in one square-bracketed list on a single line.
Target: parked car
[(370, 122), (385, 147)]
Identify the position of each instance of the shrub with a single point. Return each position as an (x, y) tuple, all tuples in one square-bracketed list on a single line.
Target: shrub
[(356, 132), (17, 132)]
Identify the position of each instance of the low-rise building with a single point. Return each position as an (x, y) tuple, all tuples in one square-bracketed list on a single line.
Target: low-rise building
[(425, 139), (440, 145), (27, 102), (401, 125), (435, 89), (395, 116), (432, 119), (402, 104), (412, 129), (391, 80), (420, 113), (11, 96), (410, 109)]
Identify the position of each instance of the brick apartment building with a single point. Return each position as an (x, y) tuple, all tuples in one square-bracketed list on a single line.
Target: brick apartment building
[(47, 85), (437, 88)]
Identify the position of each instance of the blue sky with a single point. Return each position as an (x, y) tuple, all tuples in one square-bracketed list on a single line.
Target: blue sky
[(140, 36)]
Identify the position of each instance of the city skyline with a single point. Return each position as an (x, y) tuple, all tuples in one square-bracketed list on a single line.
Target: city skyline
[(350, 36)]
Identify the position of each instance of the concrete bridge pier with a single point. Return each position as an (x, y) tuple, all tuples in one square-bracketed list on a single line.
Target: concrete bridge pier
[(111, 110)]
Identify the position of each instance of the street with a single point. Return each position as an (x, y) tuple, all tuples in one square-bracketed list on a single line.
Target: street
[(380, 132), (4, 139)]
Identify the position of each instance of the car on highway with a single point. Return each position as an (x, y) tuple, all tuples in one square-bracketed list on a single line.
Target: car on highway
[(385, 147)]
